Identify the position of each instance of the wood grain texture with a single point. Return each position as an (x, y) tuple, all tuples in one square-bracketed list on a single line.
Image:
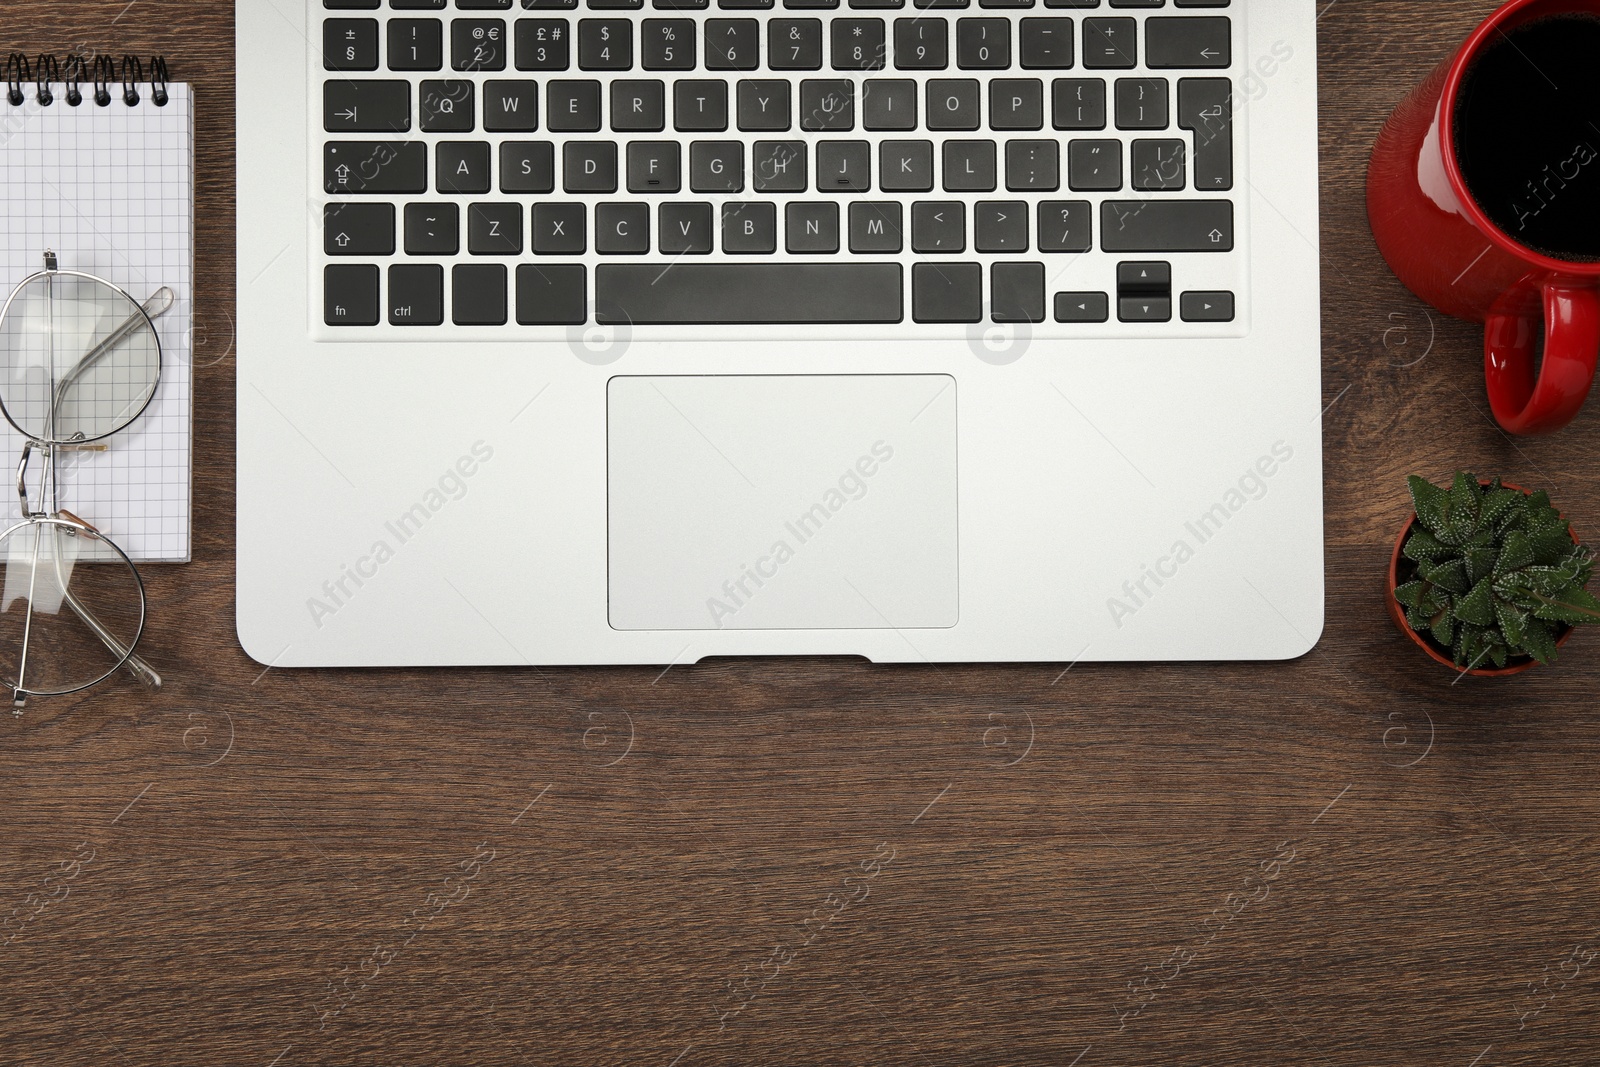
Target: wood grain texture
[(1347, 860)]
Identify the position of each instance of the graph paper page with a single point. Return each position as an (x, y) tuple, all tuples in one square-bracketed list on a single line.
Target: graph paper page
[(110, 190)]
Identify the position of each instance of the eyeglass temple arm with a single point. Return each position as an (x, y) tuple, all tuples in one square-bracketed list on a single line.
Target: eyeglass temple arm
[(159, 303), (136, 666)]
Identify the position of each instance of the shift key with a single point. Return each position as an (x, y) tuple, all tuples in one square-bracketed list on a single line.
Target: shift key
[(1166, 226), (375, 167)]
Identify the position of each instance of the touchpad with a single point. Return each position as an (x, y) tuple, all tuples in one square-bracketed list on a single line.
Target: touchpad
[(782, 502)]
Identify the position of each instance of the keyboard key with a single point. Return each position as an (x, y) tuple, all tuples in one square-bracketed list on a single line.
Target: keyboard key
[(352, 229), (549, 5), (478, 296), (350, 295), (667, 44), (1016, 291), (938, 226), (747, 293), (448, 106), (983, 44), (827, 104), (462, 167), (1153, 278), (558, 229), (947, 292), (794, 44), (1142, 104), (921, 44), (573, 106), (1144, 308), (685, 229), (478, 44), (1083, 307), (550, 294), (969, 166), (764, 105), (779, 166), (1045, 44), (1078, 104), (1205, 106), (1094, 166), (858, 44), (366, 106), (1206, 307), (1173, 43), (616, 5), (638, 106), (375, 167), (811, 229), (1166, 226), (700, 105), (953, 104), (605, 44), (732, 44), (1002, 226), (875, 227), (905, 166), (621, 229), (527, 167), (510, 107), (494, 229), (589, 167), (433, 229), (543, 44), (654, 167), (716, 166), (1159, 166), (844, 166), (889, 104), (1110, 44), (748, 228), (1033, 166), (416, 44), (350, 44), (1064, 226), (416, 294), (1016, 104)]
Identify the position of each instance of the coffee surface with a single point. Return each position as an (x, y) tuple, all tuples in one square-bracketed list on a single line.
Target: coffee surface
[(1527, 130)]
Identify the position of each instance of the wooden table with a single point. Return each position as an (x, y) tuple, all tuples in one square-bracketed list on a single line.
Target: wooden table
[(1345, 860)]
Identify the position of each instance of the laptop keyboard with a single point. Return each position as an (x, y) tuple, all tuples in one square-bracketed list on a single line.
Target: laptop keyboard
[(727, 164)]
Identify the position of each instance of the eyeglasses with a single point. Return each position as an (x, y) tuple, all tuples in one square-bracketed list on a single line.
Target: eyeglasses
[(79, 361)]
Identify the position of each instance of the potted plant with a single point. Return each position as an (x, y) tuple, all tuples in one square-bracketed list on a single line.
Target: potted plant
[(1488, 578)]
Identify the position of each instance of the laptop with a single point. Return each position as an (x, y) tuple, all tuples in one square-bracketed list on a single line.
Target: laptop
[(646, 331)]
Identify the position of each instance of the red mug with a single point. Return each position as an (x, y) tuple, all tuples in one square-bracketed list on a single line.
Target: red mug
[(1447, 251)]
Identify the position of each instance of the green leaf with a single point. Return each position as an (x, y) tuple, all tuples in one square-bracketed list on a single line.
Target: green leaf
[(1409, 594), (1516, 554), (1540, 641), (1550, 543), (1422, 545), (1480, 561), (1574, 606), (1432, 506), (1451, 575), (1444, 628), (1513, 622), (1500, 507), (1477, 607), (1465, 500)]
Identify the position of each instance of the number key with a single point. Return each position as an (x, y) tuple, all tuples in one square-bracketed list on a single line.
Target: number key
[(731, 44), (416, 44), (478, 44), (668, 44), (983, 44), (858, 44), (605, 44), (794, 44), (543, 44)]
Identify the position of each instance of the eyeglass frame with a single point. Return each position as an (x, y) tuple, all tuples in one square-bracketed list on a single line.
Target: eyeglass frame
[(57, 517)]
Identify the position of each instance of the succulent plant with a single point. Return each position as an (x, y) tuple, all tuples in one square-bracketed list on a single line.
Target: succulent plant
[(1498, 574)]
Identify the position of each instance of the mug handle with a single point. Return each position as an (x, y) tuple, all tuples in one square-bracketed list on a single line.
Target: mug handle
[(1524, 403)]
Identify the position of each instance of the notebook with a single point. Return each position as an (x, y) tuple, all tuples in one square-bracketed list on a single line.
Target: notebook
[(110, 190)]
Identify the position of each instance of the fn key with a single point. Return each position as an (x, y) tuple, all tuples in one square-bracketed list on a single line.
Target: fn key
[(350, 295)]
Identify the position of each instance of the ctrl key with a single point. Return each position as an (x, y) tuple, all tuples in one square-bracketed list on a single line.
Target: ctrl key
[(350, 295), (416, 294)]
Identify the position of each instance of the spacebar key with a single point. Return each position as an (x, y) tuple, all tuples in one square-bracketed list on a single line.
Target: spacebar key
[(693, 294)]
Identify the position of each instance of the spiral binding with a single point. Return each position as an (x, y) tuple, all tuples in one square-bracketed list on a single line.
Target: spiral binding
[(46, 71)]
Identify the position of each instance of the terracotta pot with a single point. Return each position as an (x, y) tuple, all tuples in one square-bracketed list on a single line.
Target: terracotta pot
[(1398, 613)]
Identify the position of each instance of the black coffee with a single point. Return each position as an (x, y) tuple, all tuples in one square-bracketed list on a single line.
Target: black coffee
[(1527, 128)]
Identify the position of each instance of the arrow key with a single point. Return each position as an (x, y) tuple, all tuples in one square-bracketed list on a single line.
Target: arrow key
[(1082, 307), (1206, 306), (1145, 309), (358, 229)]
